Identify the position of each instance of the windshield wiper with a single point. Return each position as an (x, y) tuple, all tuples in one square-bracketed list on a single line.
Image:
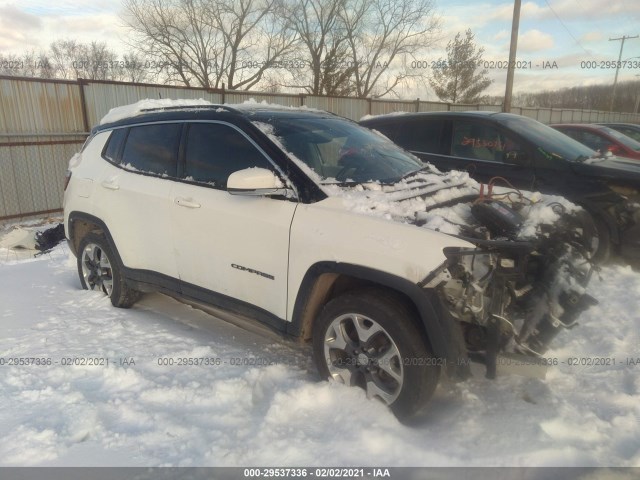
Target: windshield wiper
[(342, 183), (412, 173)]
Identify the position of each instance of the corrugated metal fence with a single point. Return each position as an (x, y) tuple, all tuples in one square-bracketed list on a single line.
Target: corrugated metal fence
[(44, 122)]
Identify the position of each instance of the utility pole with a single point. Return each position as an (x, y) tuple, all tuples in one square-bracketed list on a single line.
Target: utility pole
[(515, 25), (615, 81)]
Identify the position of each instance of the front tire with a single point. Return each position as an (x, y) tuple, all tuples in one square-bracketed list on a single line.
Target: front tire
[(99, 269), (596, 236), (370, 338)]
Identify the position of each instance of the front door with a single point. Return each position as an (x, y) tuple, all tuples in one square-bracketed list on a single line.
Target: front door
[(229, 246)]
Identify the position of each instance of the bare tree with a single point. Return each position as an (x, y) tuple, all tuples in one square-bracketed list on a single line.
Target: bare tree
[(210, 44), (29, 64), (379, 32), (354, 46), (460, 78), (65, 54), (94, 61), (324, 47), (133, 69)]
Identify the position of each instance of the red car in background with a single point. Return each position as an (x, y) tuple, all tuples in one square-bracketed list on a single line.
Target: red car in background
[(599, 137)]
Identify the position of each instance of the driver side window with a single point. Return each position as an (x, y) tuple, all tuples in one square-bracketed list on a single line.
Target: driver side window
[(214, 151)]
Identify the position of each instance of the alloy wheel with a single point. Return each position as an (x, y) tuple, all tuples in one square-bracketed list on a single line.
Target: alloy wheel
[(359, 352)]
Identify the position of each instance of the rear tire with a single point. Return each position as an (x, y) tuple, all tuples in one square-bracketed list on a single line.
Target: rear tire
[(98, 269), (370, 338)]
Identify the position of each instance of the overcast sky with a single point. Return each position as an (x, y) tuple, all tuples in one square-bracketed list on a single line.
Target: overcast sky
[(567, 32)]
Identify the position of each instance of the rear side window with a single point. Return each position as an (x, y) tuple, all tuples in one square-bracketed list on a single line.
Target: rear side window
[(214, 151), (153, 149), (592, 140), (481, 141), (113, 147), (421, 135), (389, 130)]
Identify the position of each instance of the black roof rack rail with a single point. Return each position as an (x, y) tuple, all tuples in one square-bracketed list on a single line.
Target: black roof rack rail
[(195, 105)]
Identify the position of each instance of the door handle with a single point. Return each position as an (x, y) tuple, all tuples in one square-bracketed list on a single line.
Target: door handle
[(110, 184), (186, 202)]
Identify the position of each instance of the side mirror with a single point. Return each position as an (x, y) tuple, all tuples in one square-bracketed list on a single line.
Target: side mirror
[(256, 182), (517, 157)]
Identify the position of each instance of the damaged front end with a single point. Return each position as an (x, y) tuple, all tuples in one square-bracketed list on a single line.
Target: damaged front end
[(526, 278), (522, 284)]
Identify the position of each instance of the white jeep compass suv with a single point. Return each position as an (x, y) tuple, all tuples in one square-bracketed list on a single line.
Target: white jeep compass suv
[(328, 232)]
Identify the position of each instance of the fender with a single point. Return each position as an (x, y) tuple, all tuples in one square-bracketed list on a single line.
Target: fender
[(85, 217), (443, 332)]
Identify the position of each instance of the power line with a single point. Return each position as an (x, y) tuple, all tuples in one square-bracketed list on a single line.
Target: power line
[(566, 28)]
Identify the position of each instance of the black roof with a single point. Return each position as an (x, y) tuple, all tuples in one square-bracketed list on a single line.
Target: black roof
[(213, 112), (448, 114)]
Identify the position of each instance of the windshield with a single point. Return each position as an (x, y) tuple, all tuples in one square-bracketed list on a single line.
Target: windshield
[(551, 141), (624, 139), (342, 152)]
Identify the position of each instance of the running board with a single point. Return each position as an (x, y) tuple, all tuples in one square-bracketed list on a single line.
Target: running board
[(240, 321)]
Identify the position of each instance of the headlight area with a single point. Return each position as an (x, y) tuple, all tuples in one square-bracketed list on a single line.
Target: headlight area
[(509, 298)]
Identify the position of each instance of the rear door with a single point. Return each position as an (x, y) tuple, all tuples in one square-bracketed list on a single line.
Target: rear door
[(228, 247), (133, 194), (486, 150)]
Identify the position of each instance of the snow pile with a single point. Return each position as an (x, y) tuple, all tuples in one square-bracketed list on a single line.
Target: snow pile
[(546, 210), (253, 104), (275, 411), (138, 108), (390, 114)]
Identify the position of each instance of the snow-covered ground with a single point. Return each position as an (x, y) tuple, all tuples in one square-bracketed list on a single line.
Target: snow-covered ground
[(137, 412)]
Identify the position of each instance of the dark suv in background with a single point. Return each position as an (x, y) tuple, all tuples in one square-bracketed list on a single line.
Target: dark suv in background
[(528, 155)]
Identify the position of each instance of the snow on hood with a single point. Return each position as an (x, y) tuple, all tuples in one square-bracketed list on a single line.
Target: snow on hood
[(408, 199), (413, 200)]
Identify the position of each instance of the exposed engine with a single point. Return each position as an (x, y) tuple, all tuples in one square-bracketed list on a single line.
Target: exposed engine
[(524, 281), (520, 286)]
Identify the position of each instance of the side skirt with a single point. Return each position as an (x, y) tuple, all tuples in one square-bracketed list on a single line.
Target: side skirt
[(235, 311)]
